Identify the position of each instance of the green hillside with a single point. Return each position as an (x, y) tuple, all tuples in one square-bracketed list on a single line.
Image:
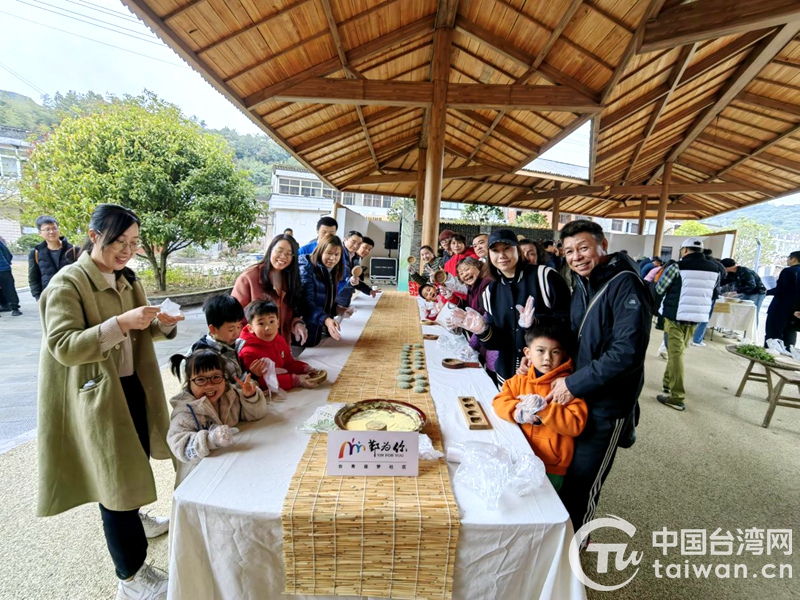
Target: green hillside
[(21, 112), (785, 219)]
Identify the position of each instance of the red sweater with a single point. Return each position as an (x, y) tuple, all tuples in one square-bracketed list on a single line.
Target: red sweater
[(277, 351), (553, 440), (450, 265)]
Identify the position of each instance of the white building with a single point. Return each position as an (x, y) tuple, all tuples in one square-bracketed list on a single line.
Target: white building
[(13, 152)]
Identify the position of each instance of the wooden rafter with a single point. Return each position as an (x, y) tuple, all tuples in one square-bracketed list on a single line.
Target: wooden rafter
[(533, 68), (762, 155), (695, 71), (521, 141), (411, 176), (325, 68), (694, 22), (684, 58), (759, 57), (350, 128), (769, 104)]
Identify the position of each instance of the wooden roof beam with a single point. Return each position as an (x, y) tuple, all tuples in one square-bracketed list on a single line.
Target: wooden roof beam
[(551, 40), (411, 176), (678, 70), (349, 129), (759, 57), (762, 155), (332, 65), (418, 93), (697, 70), (518, 139), (769, 104), (698, 21), (679, 188)]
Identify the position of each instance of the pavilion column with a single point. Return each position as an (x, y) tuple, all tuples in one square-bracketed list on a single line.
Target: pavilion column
[(440, 73), (642, 214), (666, 179), (421, 158), (556, 211)]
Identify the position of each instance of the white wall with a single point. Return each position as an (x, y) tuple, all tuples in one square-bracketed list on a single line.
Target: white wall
[(350, 220), (302, 222), (637, 245)]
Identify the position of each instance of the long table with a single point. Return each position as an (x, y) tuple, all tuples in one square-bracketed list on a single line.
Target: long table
[(226, 538), (737, 316)]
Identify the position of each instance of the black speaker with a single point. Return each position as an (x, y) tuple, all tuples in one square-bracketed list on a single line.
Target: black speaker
[(391, 241)]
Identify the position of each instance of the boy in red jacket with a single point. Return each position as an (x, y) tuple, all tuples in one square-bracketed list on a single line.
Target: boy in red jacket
[(550, 428), (262, 344)]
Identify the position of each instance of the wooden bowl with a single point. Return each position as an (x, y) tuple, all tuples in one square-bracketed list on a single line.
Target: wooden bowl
[(317, 376), (440, 277), (412, 260), (357, 271)]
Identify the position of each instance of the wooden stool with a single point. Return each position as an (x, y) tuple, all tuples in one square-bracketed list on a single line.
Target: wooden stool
[(775, 398), (749, 375)]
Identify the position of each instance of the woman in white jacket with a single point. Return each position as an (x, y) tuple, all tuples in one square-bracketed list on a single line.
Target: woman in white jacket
[(205, 414)]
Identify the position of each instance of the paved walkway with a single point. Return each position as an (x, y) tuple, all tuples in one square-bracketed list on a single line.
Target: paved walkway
[(20, 342)]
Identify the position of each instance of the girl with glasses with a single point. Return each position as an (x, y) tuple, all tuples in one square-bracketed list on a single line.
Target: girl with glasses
[(205, 414)]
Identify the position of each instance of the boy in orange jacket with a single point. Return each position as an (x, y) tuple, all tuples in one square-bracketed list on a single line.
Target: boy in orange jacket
[(550, 428)]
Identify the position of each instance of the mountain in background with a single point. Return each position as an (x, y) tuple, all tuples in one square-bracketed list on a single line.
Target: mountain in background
[(254, 153), (783, 219)]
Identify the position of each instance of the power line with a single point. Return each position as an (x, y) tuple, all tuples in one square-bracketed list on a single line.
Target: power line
[(80, 14), (94, 40), (23, 80), (102, 9), (136, 37)]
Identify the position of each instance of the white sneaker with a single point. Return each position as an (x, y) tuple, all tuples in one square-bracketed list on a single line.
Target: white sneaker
[(154, 526), (699, 344), (662, 352), (149, 583)]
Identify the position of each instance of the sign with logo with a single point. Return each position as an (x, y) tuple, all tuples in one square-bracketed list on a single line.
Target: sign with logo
[(373, 453)]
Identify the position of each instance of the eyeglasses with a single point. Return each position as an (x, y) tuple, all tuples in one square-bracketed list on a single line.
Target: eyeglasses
[(201, 381), (119, 245), (280, 254), (49, 230)]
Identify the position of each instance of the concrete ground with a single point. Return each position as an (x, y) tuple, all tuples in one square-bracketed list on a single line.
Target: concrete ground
[(712, 466)]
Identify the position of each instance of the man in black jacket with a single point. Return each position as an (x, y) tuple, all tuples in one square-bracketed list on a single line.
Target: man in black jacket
[(746, 282), (50, 256), (611, 315), (785, 304)]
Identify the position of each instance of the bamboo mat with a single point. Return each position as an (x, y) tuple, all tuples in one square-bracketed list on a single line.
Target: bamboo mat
[(390, 537)]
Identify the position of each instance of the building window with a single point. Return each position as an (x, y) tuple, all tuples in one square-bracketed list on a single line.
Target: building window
[(311, 188), (374, 200), (330, 193), (633, 228), (290, 187), (349, 198), (450, 205), (562, 218), (616, 224), (9, 167), (388, 201)]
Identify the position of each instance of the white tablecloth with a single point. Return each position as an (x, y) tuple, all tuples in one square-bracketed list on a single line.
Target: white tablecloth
[(742, 317), (226, 537)]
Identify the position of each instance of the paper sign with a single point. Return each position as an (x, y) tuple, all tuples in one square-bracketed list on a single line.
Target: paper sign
[(373, 453)]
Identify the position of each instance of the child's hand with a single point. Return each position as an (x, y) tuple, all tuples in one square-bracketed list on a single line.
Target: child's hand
[(259, 367), (304, 381), (221, 436), (248, 387)]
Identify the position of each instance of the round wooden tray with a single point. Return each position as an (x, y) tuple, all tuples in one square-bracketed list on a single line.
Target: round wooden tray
[(349, 411)]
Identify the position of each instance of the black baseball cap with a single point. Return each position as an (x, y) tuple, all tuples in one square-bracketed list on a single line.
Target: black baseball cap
[(505, 236)]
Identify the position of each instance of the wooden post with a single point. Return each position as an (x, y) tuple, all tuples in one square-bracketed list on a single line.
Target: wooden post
[(642, 214), (440, 73), (662, 208), (556, 211), (421, 158)]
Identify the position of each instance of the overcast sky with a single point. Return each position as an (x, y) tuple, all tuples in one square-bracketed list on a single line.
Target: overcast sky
[(102, 47)]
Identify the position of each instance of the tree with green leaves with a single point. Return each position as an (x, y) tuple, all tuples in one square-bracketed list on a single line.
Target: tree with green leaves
[(692, 228), (750, 232), (533, 219), (480, 213), (395, 212), (141, 152)]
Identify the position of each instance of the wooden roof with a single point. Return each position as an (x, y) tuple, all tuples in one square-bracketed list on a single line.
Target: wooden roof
[(346, 87)]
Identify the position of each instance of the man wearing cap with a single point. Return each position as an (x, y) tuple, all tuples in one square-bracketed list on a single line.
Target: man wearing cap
[(689, 288), (746, 282), (444, 244)]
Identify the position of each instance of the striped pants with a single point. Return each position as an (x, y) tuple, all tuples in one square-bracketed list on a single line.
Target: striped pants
[(595, 449)]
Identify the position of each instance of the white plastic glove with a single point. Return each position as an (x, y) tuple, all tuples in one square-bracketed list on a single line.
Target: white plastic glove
[(300, 332), (221, 436), (303, 381), (354, 281), (526, 409), (526, 313), (469, 319), (446, 292), (454, 284)]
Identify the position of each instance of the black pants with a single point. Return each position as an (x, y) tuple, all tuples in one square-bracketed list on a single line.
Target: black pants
[(777, 328), (123, 529), (10, 297), (595, 449)]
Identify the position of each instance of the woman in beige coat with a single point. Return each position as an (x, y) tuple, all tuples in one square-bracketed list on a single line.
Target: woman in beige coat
[(102, 411)]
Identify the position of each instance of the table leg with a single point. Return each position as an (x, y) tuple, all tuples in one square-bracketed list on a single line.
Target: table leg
[(745, 378), (769, 381), (773, 402)]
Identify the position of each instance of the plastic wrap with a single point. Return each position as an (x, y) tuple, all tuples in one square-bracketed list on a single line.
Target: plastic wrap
[(426, 449), (489, 470), (458, 347), (322, 419)]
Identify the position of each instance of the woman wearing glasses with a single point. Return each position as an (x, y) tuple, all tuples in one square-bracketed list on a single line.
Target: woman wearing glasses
[(102, 412), (277, 278), (49, 256)]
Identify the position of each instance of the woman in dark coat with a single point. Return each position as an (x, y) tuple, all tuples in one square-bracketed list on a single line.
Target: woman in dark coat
[(320, 273)]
